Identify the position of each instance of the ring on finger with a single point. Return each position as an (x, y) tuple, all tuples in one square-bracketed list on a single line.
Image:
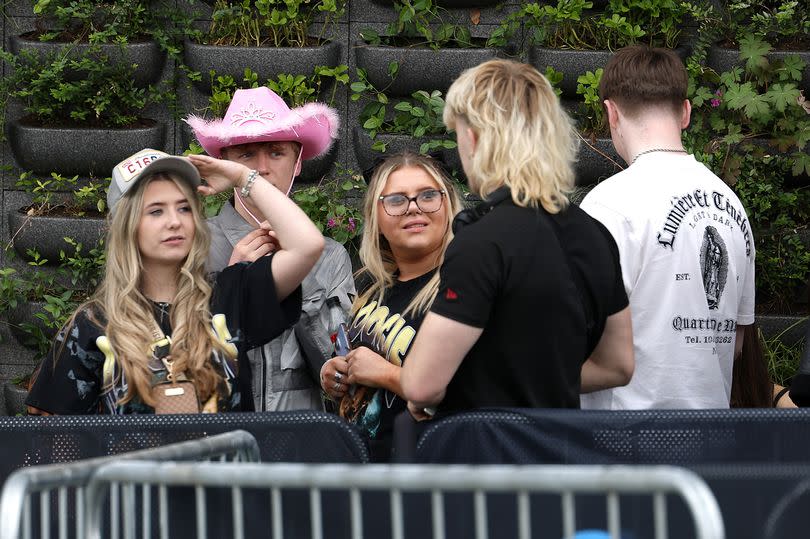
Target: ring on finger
[(337, 386), (338, 377)]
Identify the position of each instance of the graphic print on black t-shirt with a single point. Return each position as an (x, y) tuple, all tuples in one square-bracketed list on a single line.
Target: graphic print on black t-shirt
[(382, 327)]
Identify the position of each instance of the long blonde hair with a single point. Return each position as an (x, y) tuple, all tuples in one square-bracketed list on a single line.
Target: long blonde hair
[(525, 138), (128, 313), (375, 252)]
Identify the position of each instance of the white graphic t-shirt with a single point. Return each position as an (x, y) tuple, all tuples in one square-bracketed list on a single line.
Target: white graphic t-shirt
[(687, 255)]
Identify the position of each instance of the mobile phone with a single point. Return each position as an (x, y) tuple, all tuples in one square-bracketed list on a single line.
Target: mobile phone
[(342, 348), (342, 341)]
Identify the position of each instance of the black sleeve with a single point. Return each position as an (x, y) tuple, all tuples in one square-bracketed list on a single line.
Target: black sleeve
[(69, 379), (471, 277), (618, 297), (246, 295)]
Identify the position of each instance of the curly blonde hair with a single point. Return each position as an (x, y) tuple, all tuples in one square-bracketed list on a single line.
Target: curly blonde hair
[(524, 137), (128, 313)]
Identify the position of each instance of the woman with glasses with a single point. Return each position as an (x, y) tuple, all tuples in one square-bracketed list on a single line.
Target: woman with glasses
[(407, 213)]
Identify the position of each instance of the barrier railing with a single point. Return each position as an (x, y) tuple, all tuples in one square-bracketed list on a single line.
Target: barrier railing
[(481, 481), (67, 481)]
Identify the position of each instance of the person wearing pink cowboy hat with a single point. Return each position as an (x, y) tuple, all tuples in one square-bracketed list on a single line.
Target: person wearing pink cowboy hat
[(261, 132)]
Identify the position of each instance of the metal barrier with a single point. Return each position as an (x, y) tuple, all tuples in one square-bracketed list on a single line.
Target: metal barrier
[(398, 480), (19, 488)]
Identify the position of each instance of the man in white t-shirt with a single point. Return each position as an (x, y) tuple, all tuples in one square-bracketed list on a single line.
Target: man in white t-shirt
[(685, 242)]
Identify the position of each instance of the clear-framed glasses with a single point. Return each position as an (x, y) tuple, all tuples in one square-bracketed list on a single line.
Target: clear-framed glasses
[(397, 204)]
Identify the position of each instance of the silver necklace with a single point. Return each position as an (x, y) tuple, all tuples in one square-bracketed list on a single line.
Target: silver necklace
[(670, 150)]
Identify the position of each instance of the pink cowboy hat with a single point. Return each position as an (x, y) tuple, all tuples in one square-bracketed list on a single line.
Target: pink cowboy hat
[(260, 115)]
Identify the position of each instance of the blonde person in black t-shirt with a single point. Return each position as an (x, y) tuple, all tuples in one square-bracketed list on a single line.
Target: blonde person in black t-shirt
[(531, 308), (113, 352), (407, 213)]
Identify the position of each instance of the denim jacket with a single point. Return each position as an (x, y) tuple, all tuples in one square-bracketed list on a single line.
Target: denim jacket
[(286, 370)]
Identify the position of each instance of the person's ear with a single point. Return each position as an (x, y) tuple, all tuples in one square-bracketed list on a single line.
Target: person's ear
[(612, 113), (473, 138), (686, 113)]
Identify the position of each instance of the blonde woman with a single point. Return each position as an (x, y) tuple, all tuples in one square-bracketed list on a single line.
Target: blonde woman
[(531, 306), (407, 213), (114, 350)]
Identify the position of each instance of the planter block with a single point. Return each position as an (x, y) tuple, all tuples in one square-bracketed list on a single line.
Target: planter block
[(267, 62), (419, 68), (597, 160), (14, 399), (24, 313), (792, 329), (45, 233), (83, 151), (147, 56)]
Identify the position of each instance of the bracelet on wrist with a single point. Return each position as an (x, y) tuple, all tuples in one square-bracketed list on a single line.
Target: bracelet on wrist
[(779, 396), (245, 191)]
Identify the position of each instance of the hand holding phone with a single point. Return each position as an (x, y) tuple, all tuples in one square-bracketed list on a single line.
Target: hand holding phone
[(342, 348)]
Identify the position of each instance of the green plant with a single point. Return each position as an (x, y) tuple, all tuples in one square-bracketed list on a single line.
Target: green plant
[(84, 90), (779, 22), (81, 269), (591, 116), (325, 204), (419, 116), (783, 360), (63, 193), (122, 21), (276, 23), (572, 24), (749, 127), (760, 101), (419, 22), (295, 90)]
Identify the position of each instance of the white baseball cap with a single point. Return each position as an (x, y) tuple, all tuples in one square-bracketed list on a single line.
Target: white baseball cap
[(145, 163)]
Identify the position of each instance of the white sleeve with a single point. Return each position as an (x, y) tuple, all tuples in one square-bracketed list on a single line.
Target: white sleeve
[(745, 310), (622, 231)]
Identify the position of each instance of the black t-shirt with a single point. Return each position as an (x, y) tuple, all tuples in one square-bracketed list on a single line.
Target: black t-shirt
[(507, 273), (244, 293), (387, 331)]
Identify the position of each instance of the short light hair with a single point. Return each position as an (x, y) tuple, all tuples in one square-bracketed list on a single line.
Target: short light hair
[(525, 138)]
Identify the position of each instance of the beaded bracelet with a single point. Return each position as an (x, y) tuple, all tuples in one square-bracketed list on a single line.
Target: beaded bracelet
[(245, 192)]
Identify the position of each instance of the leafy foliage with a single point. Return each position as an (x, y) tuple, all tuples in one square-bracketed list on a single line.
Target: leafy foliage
[(419, 116), (46, 193), (61, 291), (295, 90), (88, 90), (325, 204), (419, 22), (275, 23), (777, 21), (749, 126), (572, 24)]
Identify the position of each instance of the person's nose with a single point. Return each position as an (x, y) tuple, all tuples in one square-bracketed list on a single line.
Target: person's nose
[(413, 207), (263, 163), (174, 219)]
